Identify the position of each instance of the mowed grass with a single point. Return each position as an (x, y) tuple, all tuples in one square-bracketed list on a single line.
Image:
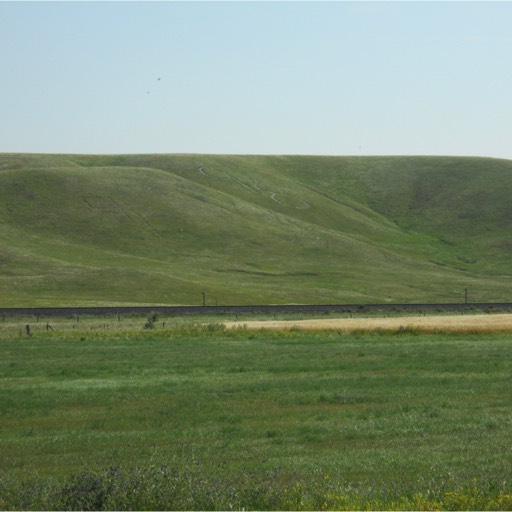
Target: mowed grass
[(461, 324), (281, 420)]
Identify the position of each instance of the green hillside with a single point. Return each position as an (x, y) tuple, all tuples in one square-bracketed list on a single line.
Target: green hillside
[(161, 229)]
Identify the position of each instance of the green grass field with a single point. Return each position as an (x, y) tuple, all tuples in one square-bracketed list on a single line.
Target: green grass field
[(104, 414), (161, 229), (196, 417)]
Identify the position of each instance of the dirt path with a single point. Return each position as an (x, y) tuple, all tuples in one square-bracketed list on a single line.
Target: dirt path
[(459, 323)]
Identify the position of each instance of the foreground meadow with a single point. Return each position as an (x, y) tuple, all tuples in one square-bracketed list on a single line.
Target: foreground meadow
[(202, 417)]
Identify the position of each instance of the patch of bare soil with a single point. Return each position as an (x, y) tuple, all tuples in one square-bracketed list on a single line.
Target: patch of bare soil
[(448, 323)]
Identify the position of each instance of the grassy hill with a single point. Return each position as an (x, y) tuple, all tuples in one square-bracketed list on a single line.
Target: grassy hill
[(161, 229)]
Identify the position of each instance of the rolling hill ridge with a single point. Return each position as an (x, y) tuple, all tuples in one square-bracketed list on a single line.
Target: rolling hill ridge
[(161, 229)]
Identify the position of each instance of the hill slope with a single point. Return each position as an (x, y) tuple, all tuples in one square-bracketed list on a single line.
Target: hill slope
[(160, 229)]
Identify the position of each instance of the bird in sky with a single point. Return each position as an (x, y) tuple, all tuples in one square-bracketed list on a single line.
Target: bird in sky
[(158, 80)]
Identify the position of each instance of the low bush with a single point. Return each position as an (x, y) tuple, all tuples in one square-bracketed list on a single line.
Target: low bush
[(174, 488)]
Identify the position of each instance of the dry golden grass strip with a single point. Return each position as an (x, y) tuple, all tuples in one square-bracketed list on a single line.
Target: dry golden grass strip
[(449, 323)]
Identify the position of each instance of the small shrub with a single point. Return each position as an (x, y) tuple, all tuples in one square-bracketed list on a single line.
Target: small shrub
[(215, 327), (86, 491), (150, 324)]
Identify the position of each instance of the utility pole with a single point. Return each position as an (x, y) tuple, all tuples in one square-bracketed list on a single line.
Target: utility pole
[(204, 298), (465, 295)]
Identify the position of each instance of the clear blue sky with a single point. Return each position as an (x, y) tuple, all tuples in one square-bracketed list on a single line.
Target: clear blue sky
[(337, 78)]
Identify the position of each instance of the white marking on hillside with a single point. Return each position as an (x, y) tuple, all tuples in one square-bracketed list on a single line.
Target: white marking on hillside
[(254, 187)]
